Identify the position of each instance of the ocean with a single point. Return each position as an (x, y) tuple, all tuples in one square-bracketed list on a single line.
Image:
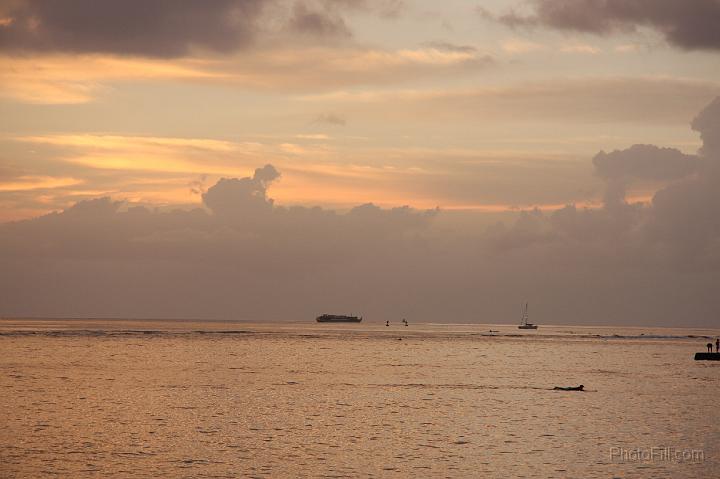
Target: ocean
[(112, 398)]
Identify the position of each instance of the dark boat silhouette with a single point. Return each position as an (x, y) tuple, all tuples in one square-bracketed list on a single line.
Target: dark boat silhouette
[(337, 318), (524, 321)]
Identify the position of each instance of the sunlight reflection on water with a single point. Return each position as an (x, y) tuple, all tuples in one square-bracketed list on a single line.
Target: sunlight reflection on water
[(291, 400)]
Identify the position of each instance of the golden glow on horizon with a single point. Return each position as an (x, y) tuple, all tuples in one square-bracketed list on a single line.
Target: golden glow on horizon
[(130, 142), (25, 183), (175, 163), (64, 79), (69, 79), (404, 112)]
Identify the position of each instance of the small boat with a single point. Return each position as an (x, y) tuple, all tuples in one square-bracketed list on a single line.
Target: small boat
[(524, 321), (337, 318), (569, 388)]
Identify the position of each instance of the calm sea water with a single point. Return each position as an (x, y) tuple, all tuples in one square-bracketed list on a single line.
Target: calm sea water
[(180, 399)]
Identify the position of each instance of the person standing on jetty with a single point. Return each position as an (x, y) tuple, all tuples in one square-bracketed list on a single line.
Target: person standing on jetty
[(709, 346), (717, 345)]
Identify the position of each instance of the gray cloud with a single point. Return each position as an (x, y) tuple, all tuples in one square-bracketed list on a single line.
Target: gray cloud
[(450, 47), (624, 258), (384, 8), (241, 239), (317, 23), (681, 224), (688, 24), (641, 162), (163, 28), (707, 123), (685, 215), (243, 256), (169, 28), (330, 119), (645, 162), (242, 196)]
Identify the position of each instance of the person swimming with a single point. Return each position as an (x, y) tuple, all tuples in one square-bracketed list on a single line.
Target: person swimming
[(569, 388)]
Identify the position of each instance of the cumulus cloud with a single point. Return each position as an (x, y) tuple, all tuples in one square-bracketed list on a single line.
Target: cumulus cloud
[(680, 224), (242, 196), (243, 256), (707, 123), (690, 24), (645, 162), (684, 215), (241, 242), (641, 163), (623, 258)]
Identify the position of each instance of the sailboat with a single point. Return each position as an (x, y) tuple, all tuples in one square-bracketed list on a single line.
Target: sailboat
[(524, 321)]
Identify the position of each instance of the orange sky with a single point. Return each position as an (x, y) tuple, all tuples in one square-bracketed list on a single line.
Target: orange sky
[(419, 104)]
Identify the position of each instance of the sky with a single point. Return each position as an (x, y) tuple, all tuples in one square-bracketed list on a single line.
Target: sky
[(441, 161)]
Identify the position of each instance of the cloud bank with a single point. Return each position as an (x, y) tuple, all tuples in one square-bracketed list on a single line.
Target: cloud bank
[(241, 255), (171, 28), (162, 28), (688, 24)]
